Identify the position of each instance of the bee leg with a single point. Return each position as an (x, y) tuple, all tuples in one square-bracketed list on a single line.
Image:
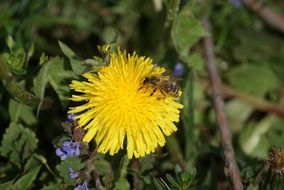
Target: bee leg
[(153, 92), (164, 96), (143, 86)]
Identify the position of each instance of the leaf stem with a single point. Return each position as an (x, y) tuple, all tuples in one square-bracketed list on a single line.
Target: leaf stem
[(44, 162)]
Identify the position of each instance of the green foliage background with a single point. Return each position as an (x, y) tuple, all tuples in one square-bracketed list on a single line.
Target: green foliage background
[(250, 59)]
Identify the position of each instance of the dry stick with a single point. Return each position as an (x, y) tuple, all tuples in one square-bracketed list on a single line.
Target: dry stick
[(231, 168), (97, 180), (90, 166), (266, 14), (257, 103)]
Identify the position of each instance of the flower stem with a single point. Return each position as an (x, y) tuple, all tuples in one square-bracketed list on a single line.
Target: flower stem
[(175, 152), (136, 180)]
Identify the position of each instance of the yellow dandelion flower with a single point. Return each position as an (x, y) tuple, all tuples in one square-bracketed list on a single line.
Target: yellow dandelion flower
[(118, 113)]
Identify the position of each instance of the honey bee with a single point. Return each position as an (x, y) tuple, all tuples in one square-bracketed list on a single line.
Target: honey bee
[(163, 84)]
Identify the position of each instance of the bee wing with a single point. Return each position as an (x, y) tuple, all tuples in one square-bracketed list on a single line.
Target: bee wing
[(176, 79), (168, 75)]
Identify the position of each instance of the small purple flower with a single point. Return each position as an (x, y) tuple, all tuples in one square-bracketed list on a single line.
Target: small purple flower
[(83, 186), (71, 117), (73, 174), (178, 69), (236, 3), (67, 149)]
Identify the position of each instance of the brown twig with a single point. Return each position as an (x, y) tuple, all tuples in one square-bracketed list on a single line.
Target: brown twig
[(257, 103), (92, 170), (97, 180), (231, 168), (266, 13), (135, 168)]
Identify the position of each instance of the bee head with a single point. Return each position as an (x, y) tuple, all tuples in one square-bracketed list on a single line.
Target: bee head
[(151, 80), (146, 80)]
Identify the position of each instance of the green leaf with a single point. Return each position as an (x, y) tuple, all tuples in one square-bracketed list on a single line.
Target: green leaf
[(51, 187), (15, 60), (261, 79), (158, 184), (109, 34), (104, 169), (146, 179), (19, 111), (7, 185), (58, 74), (40, 158), (31, 163), (59, 77), (10, 42), (186, 31), (18, 144), (76, 63), (74, 163), (173, 8), (184, 176), (172, 181), (238, 112), (187, 178), (256, 46), (252, 187), (43, 59), (66, 50), (78, 67), (194, 61), (252, 139), (26, 181), (275, 133), (178, 169), (41, 80), (147, 163), (30, 52), (193, 172), (122, 184)]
